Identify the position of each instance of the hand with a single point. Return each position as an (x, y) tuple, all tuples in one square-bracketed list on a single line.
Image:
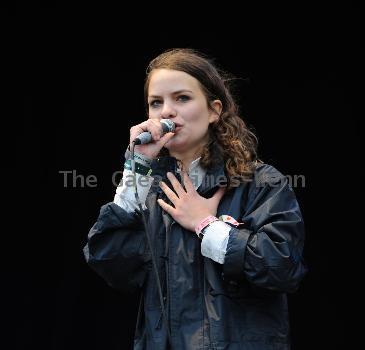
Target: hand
[(150, 150), (189, 207)]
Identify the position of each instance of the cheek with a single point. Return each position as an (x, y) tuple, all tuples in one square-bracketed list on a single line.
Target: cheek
[(195, 131), (152, 114), (196, 115)]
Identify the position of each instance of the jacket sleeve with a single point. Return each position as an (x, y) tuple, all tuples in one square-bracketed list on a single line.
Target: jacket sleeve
[(116, 248), (267, 249)]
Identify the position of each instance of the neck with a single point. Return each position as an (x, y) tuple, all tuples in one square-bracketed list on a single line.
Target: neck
[(187, 157)]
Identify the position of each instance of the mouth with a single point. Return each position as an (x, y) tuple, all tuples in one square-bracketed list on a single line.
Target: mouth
[(177, 126)]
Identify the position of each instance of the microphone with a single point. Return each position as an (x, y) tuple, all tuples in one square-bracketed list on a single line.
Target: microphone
[(145, 137)]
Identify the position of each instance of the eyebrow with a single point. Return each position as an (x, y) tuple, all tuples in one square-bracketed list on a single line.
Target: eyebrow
[(173, 93)]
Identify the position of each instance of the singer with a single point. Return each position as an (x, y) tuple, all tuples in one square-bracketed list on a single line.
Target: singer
[(226, 229)]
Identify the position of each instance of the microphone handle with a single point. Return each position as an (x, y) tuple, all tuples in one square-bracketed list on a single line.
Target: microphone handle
[(143, 138)]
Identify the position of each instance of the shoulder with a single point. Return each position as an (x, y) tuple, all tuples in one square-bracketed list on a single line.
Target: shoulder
[(266, 174), (270, 185)]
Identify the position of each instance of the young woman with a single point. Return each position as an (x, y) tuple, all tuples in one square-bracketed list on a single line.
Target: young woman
[(226, 229)]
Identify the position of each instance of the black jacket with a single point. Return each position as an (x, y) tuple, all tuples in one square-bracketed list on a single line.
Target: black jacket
[(241, 304)]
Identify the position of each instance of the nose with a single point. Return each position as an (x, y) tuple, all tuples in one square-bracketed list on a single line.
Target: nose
[(167, 111)]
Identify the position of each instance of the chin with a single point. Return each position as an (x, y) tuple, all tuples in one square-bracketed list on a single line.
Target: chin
[(173, 145)]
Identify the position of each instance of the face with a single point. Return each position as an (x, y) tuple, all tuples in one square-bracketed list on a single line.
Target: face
[(178, 96)]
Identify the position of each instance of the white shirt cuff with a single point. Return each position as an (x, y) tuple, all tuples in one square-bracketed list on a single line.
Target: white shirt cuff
[(215, 240), (124, 194)]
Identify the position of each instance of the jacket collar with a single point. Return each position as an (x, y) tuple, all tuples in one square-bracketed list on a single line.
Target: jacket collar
[(160, 166)]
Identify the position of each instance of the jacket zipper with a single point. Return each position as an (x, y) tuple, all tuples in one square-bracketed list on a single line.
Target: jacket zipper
[(203, 297), (166, 298), (167, 277)]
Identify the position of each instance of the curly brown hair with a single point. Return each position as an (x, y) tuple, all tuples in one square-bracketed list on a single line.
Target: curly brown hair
[(230, 139)]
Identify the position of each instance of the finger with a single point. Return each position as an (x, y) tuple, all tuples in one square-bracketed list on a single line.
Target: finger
[(176, 184), (165, 138), (168, 208), (137, 129), (133, 132), (219, 194), (187, 183), (169, 192), (148, 125), (155, 128)]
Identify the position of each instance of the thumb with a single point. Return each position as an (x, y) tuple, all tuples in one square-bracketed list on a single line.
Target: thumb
[(219, 194)]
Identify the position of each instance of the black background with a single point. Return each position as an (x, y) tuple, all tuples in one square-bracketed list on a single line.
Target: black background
[(75, 88)]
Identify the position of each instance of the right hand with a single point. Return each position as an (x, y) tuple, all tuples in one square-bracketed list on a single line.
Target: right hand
[(152, 149)]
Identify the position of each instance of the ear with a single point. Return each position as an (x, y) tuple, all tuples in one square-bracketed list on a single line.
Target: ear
[(217, 107)]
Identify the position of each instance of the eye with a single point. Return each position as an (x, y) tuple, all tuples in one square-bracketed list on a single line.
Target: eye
[(154, 103), (183, 98)]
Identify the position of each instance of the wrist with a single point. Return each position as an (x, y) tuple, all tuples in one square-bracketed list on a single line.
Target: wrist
[(139, 157), (203, 224), (139, 168), (142, 159)]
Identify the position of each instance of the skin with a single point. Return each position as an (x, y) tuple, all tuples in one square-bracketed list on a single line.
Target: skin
[(189, 207), (188, 108), (178, 96)]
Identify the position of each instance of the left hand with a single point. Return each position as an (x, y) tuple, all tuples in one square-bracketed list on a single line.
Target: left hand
[(189, 207)]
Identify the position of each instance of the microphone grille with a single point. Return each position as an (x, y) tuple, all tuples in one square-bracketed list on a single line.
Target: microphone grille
[(168, 125)]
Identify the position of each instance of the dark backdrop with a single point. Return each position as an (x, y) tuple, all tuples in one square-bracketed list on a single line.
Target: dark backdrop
[(75, 89)]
